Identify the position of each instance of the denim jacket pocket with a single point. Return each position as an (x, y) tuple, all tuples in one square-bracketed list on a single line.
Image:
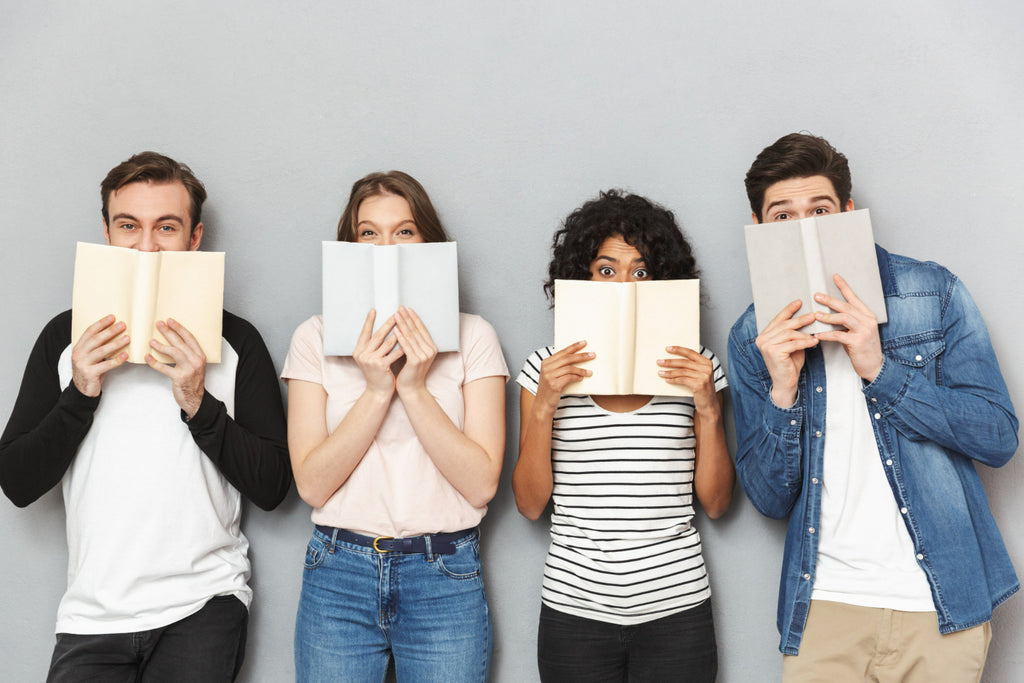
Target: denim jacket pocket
[(918, 351)]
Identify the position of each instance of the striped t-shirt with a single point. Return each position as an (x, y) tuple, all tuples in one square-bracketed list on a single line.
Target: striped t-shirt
[(622, 549)]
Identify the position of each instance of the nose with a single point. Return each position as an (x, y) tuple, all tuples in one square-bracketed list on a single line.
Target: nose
[(147, 241)]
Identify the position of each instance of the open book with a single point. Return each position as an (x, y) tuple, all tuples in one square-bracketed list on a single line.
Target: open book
[(358, 277), (141, 287), (792, 260), (628, 325)]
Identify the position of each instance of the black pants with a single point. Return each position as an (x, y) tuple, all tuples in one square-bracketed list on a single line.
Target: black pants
[(679, 647), (206, 647)]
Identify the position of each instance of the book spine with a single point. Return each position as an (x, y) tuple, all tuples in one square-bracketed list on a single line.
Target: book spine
[(143, 325), (627, 301), (817, 278)]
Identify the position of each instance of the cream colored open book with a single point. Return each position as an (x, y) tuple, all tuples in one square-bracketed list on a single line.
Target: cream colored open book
[(140, 287), (628, 325)]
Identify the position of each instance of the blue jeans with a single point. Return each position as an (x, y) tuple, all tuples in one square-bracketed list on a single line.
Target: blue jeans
[(679, 647), (359, 608), (206, 647)]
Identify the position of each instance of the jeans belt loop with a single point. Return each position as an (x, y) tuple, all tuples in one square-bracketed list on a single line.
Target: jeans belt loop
[(430, 552), (334, 541)]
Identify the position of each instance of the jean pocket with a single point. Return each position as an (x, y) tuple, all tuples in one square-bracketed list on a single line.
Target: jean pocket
[(464, 563), (315, 552)]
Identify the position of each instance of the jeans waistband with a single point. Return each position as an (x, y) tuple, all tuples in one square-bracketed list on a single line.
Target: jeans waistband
[(433, 544)]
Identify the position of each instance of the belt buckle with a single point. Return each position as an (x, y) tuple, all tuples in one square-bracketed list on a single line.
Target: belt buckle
[(381, 538)]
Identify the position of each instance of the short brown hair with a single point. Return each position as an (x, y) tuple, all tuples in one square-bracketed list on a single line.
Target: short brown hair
[(797, 155), (152, 167), (396, 183)]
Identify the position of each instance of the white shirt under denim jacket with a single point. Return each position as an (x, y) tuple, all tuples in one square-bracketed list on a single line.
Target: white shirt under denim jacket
[(938, 403)]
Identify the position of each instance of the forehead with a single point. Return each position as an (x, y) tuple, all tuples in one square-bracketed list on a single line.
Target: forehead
[(384, 206), (617, 248), (798, 190), (150, 199)]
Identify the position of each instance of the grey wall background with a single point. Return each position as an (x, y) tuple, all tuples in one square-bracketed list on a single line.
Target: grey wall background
[(511, 114)]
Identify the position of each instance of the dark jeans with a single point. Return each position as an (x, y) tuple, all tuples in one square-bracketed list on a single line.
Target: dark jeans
[(679, 647), (206, 647)]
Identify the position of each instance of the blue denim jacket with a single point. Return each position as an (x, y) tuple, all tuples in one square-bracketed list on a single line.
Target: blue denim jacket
[(938, 403)]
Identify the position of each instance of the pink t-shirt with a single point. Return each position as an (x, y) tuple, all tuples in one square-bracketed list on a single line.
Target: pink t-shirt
[(396, 490)]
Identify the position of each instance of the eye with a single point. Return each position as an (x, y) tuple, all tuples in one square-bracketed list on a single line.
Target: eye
[(640, 274), (783, 216), (606, 271), (366, 233), (127, 226), (407, 232), (167, 228), (821, 211)]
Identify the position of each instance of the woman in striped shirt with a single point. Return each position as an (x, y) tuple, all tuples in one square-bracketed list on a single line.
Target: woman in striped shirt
[(625, 593)]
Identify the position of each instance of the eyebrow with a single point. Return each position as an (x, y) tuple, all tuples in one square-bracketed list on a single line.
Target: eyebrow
[(814, 200), (599, 257), (161, 219), (369, 222)]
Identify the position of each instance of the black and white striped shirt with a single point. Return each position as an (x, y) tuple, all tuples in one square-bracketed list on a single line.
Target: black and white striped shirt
[(622, 547)]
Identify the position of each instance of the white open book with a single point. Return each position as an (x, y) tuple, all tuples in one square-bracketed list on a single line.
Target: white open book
[(792, 260), (358, 277), (141, 287), (628, 325)]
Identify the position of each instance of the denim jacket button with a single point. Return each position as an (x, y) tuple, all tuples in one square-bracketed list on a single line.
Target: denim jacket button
[(814, 480), (811, 530), (792, 423), (889, 462), (920, 556), (878, 416), (806, 577), (818, 389), (817, 433), (918, 357), (903, 511)]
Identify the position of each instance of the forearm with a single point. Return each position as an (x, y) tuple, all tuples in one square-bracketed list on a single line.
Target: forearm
[(975, 420), (714, 475), (532, 478), (768, 454), (35, 451), (322, 463), (471, 460), (253, 458)]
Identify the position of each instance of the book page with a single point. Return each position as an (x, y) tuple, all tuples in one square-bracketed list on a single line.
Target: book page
[(190, 289), (429, 285), (103, 285), (596, 312), (778, 271), (348, 294), (667, 314), (848, 248)]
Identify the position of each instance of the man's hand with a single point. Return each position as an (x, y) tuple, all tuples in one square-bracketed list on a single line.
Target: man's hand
[(860, 338), (187, 369), (99, 350), (782, 347)]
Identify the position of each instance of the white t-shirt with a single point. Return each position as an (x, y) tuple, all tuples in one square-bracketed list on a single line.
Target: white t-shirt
[(396, 490), (865, 554)]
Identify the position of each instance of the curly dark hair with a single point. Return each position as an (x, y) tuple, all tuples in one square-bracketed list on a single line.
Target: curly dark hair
[(649, 228)]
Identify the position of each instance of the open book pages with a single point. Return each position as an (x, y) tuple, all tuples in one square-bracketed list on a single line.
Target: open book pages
[(140, 288), (628, 325), (360, 277), (792, 260)]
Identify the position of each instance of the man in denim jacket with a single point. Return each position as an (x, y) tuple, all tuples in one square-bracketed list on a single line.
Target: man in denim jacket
[(866, 437)]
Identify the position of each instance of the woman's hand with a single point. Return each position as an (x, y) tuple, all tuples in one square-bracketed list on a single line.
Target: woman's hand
[(374, 354), (418, 347), (693, 371), (559, 370)]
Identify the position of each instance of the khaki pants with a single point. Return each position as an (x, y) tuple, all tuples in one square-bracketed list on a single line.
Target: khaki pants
[(848, 643)]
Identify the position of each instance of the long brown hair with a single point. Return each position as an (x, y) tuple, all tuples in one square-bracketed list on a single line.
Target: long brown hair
[(397, 183)]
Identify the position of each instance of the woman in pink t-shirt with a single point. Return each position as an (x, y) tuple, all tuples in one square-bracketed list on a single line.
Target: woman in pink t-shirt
[(398, 448)]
